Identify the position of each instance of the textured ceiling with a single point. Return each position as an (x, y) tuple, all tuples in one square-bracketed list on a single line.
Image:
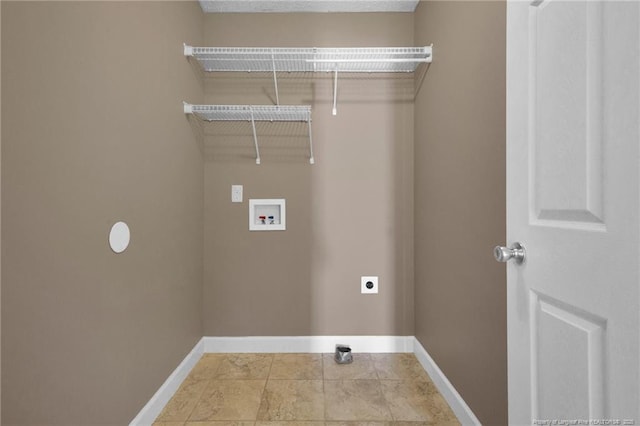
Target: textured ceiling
[(282, 6)]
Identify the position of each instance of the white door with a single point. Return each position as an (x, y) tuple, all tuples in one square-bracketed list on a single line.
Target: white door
[(573, 193)]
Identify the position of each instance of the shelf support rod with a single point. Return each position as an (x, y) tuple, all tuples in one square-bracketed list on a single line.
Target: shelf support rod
[(255, 137), (315, 63), (275, 78), (335, 91), (311, 158)]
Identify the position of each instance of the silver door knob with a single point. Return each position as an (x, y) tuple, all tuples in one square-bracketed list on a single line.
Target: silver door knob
[(505, 254)]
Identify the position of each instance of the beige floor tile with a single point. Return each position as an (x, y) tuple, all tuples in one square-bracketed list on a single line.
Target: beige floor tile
[(383, 424), (380, 424), (229, 400), (361, 368), (222, 423), (416, 400), (244, 366), (289, 423), (398, 367), (292, 400), (417, 424), (296, 367), (183, 402), (358, 423), (206, 367), (355, 400), (371, 391)]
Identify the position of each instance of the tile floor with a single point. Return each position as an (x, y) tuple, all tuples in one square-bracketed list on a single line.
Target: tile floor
[(306, 390)]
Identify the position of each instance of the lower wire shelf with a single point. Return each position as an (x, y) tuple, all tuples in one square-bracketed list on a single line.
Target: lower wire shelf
[(253, 113)]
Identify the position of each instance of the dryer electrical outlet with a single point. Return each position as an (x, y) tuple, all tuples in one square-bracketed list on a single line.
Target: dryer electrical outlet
[(369, 285)]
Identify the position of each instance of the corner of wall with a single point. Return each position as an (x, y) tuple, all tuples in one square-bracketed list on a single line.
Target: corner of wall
[(460, 115)]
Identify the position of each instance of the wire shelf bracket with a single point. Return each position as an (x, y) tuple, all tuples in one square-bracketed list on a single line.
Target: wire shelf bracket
[(253, 113)]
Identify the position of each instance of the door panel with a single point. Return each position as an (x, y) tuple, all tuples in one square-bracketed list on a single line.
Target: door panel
[(567, 346), (565, 66)]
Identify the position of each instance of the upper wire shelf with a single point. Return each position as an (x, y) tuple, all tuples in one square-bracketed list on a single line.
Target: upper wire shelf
[(277, 59)]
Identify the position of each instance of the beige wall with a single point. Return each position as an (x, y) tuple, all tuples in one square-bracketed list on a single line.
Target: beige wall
[(460, 200), (348, 215), (93, 133), (0, 217)]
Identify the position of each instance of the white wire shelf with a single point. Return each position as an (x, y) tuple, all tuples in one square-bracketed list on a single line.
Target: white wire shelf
[(250, 112), (278, 59), (253, 113), (311, 59)]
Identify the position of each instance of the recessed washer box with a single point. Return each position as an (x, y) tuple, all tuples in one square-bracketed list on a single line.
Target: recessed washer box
[(267, 214)]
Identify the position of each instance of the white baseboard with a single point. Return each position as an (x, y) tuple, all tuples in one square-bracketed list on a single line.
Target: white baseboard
[(446, 389), (152, 409), (307, 344)]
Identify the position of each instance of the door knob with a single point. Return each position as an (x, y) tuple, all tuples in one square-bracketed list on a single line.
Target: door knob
[(505, 254)]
